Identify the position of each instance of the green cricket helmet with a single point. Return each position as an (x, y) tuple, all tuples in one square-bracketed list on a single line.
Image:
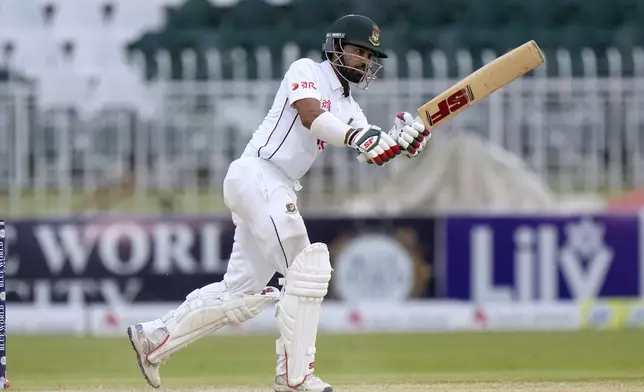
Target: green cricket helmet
[(359, 31)]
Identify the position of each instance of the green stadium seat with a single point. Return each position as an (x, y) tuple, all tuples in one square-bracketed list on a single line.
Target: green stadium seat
[(477, 13), (597, 13), (428, 14), (252, 15), (541, 13), (421, 25), (193, 14), (633, 11), (308, 14), (283, 15), (569, 11), (383, 14), (590, 13)]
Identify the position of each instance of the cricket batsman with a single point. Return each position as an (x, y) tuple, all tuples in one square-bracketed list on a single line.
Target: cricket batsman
[(312, 108)]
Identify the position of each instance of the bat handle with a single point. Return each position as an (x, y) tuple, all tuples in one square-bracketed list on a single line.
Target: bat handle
[(362, 158)]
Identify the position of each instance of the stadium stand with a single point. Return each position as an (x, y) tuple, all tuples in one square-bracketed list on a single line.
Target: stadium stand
[(95, 59)]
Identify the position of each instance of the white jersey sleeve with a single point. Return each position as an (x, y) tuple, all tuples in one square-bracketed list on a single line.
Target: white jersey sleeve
[(360, 120), (302, 81)]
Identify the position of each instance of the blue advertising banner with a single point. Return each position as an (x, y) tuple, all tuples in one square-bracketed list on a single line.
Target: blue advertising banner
[(526, 258)]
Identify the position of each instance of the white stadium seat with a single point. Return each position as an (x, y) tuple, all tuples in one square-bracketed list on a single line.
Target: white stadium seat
[(21, 14), (74, 14), (97, 30)]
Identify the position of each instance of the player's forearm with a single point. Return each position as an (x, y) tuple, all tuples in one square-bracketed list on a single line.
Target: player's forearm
[(331, 129), (308, 109), (307, 118)]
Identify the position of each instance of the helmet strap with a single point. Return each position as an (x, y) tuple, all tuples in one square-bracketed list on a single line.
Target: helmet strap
[(337, 59)]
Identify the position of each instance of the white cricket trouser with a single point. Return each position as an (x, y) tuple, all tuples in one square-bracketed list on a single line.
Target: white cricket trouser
[(267, 238)]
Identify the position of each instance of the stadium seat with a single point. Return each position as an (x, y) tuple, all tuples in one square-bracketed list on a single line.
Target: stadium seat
[(252, 15), (77, 14), (33, 52), (590, 13), (20, 14), (542, 13), (430, 14), (483, 14), (98, 30), (136, 17), (193, 14), (382, 14), (632, 11), (599, 14), (320, 15)]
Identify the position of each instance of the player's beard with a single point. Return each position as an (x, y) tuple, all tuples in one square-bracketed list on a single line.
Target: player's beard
[(353, 75)]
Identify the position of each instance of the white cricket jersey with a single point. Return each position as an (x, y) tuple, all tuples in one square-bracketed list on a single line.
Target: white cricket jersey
[(281, 138)]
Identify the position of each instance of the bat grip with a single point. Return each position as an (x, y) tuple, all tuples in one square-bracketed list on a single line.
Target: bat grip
[(362, 158)]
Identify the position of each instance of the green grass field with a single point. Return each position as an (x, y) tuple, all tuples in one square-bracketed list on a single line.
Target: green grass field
[(29, 204), (580, 361), (32, 205)]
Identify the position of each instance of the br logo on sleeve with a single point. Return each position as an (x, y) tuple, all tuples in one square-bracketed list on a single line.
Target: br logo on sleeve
[(307, 84)]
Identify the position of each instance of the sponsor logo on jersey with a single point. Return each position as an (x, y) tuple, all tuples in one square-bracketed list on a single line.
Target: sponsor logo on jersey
[(307, 84), (321, 145)]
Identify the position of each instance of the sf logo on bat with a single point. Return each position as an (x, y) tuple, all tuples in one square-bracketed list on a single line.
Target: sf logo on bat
[(450, 105)]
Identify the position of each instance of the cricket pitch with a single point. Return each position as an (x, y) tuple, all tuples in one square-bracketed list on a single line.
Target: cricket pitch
[(429, 387)]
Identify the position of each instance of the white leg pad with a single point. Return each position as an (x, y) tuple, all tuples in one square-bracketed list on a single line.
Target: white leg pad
[(298, 312), (202, 314)]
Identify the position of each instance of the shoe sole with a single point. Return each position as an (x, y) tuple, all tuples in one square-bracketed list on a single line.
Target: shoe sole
[(138, 358), (284, 388)]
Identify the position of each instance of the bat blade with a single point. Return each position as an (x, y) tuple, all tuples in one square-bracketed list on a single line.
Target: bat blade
[(481, 83)]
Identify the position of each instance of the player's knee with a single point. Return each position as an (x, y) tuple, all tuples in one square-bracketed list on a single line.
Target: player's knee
[(295, 244), (290, 246), (310, 273)]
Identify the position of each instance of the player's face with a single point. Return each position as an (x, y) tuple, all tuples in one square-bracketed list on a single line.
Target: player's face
[(357, 60)]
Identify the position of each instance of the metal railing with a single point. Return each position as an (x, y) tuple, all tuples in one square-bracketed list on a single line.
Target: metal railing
[(170, 151)]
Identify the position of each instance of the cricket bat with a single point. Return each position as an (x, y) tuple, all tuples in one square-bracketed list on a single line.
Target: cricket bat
[(481, 83), (478, 85)]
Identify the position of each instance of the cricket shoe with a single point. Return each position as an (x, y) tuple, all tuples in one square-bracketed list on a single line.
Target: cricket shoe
[(311, 383), (143, 347)]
